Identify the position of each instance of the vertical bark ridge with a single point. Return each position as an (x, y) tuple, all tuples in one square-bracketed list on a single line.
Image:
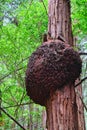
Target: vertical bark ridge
[(62, 110), (59, 20)]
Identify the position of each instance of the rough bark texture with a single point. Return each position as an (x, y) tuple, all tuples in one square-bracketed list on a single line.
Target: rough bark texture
[(49, 68), (59, 20), (62, 110), (52, 71)]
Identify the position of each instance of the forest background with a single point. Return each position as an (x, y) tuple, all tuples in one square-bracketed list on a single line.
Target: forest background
[(22, 25)]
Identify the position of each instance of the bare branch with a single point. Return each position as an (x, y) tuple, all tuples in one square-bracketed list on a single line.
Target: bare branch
[(24, 59), (12, 118), (82, 53), (23, 95), (83, 103), (81, 81), (81, 100), (23, 104), (44, 6), (7, 75)]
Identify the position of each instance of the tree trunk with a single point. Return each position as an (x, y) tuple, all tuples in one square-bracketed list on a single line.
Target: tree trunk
[(0, 102), (44, 118), (61, 108), (30, 117), (59, 20), (80, 107)]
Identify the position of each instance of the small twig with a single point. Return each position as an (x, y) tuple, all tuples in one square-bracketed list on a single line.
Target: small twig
[(82, 100), (19, 105), (22, 60), (82, 53), (81, 81), (7, 75), (20, 101), (83, 103), (44, 6), (14, 70), (12, 118)]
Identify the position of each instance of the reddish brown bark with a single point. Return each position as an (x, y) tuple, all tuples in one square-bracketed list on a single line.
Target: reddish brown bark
[(59, 20), (62, 110)]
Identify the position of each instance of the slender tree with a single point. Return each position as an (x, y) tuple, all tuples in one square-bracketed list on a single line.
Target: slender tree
[(0, 102)]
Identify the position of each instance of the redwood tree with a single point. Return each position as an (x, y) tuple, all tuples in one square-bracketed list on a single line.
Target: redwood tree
[(53, 69), (60, 25)]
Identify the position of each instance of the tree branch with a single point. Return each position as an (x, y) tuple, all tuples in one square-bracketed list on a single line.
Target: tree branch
[(44, 6), (12, 118), (84, 105), (81, 81), (82, 53), (23, 95), (23, 104), (24, 59), (15, 70), (7, 75)]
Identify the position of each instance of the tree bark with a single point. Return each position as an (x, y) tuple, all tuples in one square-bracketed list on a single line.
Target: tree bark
[(61, 108), (59, 20)]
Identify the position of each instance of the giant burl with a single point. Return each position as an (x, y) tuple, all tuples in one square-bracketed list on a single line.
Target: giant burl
[(53, 65)]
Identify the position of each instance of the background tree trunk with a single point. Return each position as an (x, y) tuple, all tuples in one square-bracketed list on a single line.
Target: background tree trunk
[(62, 111), (80, 107), (0, 102)]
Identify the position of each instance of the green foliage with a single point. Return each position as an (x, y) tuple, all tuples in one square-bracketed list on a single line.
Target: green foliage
[(16, 45), (79, 17), (17, 42)]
